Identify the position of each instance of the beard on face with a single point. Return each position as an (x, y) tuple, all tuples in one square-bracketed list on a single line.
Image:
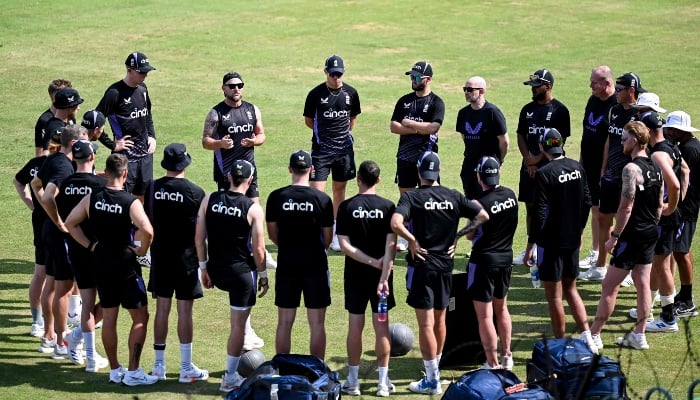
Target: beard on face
[(418, 87), (537, 95)]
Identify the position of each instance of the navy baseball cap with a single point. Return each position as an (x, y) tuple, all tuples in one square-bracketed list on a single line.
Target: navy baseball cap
[(242, 169), (540, 77), (138, 62), (231, 75), (429, 166), (421, 68), (489, 171), (82, 149), (552, 142), (300, 160), (93, 119), (334, 63), (630, 79)]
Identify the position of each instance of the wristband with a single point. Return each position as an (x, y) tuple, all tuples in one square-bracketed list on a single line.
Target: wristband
[(615, 235), (203, 265), (262, 274)]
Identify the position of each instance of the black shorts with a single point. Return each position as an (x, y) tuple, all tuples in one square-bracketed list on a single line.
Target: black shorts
[(526, 187), (593, 180), (667, 236), (140, 173), (610, 192), (56, 247), (428, 289), (555, 264), (470, 184), (406, 174), (684, 240), (252, 191), (484, 283), (342, 166), (315, 286), (241, 287), (39, 249), (359, 292), (173, 274), (628, 254), (129, 293), (83, 264)]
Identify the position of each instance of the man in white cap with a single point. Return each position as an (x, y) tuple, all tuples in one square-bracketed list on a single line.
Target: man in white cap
[(678, 128)]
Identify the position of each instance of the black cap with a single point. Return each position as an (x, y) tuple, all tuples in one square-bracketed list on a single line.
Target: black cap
[(334, 63), (300, 160), (652, 120), (67, 98), (429, 166), (93, 119), (138, 62), (489, 170), (82, 149), (175, 157), (540, 77), (421, 68), (630, 79), (242, 169), (231, 75), (552, 142)]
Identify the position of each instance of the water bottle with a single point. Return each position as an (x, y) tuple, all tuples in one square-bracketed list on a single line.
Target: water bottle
[(534, 274), (382, 308)]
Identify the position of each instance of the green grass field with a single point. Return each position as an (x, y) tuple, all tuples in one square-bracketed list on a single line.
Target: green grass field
[(279, 47)]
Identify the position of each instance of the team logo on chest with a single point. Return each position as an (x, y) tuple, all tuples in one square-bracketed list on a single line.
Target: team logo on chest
[(473, 131), (592, 121)]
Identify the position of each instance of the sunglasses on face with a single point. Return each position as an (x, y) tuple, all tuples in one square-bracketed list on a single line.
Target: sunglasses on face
[(235, 85), (417, 78), (336, 74), (538, 79), (619, 89), (468, 89)]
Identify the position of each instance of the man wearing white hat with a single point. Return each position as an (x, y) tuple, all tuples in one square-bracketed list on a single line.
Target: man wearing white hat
[(678, 128)]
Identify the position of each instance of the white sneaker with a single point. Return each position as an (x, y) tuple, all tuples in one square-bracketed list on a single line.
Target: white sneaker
[(270, 262), (137, 378), (60, 352), (46, 346), (252, 341), (590, 260), (96, 363), (507, 362), (350, 389), (335, 245), (424, 386), (662, 326), (633, 315), (627, 282), (230, 383), (489, 366), (37, 330), (75, 349), (593, 274), (98, 325), (385, 390), (144, 261), (192, 374), (158, 370), (117, 375), (401, 244), (634, 340)]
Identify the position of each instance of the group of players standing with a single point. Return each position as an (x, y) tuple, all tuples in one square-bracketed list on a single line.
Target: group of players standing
[(223, 233)]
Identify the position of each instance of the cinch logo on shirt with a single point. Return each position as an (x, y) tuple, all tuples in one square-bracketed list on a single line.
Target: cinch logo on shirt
[(569, 176), (536, 130), (241, 128), (498, 207), (367, 214), (336, 114), (33, 171), (102, 205), (417, 119), (614, 130), (77, 190), (163, 195), (220, 208), (139, 113), (438, 205), (291, 205)]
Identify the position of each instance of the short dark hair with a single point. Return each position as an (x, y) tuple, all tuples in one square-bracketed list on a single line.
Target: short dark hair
[(116, 165), (368, 172), (58, 84), (72, 133)]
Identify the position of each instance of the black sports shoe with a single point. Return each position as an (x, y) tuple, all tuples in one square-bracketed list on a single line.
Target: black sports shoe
[(683, 309)]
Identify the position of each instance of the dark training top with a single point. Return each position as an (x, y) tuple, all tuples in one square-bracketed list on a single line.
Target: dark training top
[(690, 204), (535, 118), (331, 111), (229, 233), (428, 108), (595, 132), (480, 130), (492, 245), (619, 117), (238, 123), (642, 224)]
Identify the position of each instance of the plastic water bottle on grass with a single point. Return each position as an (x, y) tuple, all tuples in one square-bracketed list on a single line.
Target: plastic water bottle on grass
[(534, 274)]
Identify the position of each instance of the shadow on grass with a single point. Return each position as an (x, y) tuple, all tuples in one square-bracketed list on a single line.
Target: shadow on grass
[(12, 266)]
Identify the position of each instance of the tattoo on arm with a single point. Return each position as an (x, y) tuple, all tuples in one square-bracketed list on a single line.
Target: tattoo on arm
[(630, 176), (210, 123)]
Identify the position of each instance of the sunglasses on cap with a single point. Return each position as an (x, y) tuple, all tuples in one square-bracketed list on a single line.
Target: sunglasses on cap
[(537, 78), (235, 85), (468, 89)]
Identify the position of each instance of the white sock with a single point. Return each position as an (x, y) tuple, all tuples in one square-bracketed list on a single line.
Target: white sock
[(439, 357), (89, 338), (431, 370), (75, 305), (384, 375), (77, 333), (353, 371), (666, 300), (185, 355), (248, 327), (160, 353), (232, 364)]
